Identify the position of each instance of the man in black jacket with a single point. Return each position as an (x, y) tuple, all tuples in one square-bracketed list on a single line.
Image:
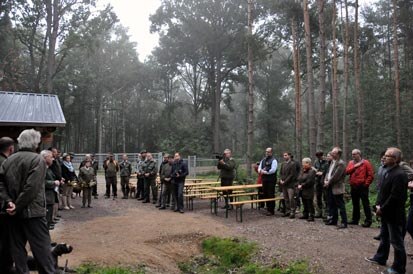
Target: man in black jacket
[(391, 208), (24, 194), (6, 262), (179, 173)]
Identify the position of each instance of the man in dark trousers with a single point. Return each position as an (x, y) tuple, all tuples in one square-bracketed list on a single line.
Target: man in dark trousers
[(125, 173), (390, 207), (111, 168), (140, 186), (22, 188), (6, 262), (149, 173), (334, 182), (361, 176), (227, 165), (179, 173), (268, 170), (320, 166), (95, 166)]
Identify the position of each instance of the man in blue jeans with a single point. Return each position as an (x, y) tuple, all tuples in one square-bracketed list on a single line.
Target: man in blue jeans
[(391, 208)]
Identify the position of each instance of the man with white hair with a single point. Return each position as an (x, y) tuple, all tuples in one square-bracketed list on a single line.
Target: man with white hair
[(51, 185), (227, 166), (22, 188), (361, 176)]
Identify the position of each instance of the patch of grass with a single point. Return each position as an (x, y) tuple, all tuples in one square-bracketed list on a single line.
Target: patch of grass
[(234, 256), (95, 269)]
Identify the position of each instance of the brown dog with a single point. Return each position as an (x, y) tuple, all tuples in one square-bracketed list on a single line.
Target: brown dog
[(132, 190)]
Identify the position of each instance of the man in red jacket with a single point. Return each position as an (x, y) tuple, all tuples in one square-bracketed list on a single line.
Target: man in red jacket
[(361, 176)]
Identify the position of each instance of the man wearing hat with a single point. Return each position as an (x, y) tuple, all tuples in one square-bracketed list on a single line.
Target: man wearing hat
[(139, 175), (111, 168)]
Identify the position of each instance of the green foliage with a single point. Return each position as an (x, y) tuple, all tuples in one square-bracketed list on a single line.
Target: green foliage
[(229, 252), (234, 256), (94, 269)]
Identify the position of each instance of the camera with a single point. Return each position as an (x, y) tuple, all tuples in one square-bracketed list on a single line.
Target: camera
[(218, 156)]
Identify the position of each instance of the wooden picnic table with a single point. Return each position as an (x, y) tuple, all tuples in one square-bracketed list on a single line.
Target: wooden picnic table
[(221, 189)]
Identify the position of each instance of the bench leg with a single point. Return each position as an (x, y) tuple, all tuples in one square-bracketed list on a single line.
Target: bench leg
[(240, 213)]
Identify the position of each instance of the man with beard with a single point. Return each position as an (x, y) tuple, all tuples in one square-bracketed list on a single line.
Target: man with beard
[(268, 170)]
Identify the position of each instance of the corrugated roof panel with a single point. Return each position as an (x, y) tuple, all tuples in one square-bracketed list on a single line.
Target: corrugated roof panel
[(18, 108)]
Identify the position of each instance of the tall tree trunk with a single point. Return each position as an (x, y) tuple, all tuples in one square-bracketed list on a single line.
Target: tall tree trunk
[(52, 19), (250, 126), (335, 82), (310, 80), (322, 98), (346, 83), (297, 87), (359, 93), (98, 129), (396, 74)]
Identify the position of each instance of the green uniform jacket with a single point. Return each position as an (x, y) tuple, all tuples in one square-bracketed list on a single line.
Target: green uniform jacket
[(86, 175), (150, 167), (227, 170), (22, 182), (125, 169)]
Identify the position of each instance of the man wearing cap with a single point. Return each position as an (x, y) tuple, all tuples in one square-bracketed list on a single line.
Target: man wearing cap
[(166, 175), (149, 173)]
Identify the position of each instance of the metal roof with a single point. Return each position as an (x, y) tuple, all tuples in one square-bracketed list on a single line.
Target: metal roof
[(30, 109)]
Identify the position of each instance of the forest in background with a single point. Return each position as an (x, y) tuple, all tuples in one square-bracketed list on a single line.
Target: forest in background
[(325, 72)]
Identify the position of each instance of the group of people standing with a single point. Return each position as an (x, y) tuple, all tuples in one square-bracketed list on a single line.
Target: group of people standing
[(172, 172), (30, 190), (323, 184)]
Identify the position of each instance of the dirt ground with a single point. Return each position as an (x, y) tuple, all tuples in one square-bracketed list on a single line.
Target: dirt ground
[(127, 232)]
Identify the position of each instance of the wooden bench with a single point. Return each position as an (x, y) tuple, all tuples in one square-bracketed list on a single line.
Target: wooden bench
[(236, 194), (239, 204), (189, 198)]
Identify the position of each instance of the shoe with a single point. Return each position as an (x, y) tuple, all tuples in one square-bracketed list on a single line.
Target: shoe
[(353, 223), (153, 202), (390, 270), (167, 205), (58, 216), (342, 226), (176, 210), (162, 207), (310, 219), (181, 211), (66, 208), (318, 216), (51, 227), (157, 206), (124, 197), (145, 202), (373, 261), (331, 223), (286, 215), (95, 197), (82, 206), (139, 199), (90, 206), (377, 238), (106, 197), (303, 217), (366, 224), (269, 213), (224, 207), (292, 216)]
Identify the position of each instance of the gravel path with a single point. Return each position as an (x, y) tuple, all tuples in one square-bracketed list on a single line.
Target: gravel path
[(127, 232)]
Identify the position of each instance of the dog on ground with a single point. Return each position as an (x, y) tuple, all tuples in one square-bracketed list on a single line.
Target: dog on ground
[(132, 190)]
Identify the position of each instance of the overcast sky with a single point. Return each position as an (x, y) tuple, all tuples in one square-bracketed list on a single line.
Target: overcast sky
[(134, 14)]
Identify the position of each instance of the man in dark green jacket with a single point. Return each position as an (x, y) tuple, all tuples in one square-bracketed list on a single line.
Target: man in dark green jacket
[(6, 262), (22, 188), (149, 169), (227, 165)]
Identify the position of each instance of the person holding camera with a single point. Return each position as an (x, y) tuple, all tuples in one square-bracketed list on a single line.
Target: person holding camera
[(268, 171), (227, 165), (179, 173)]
